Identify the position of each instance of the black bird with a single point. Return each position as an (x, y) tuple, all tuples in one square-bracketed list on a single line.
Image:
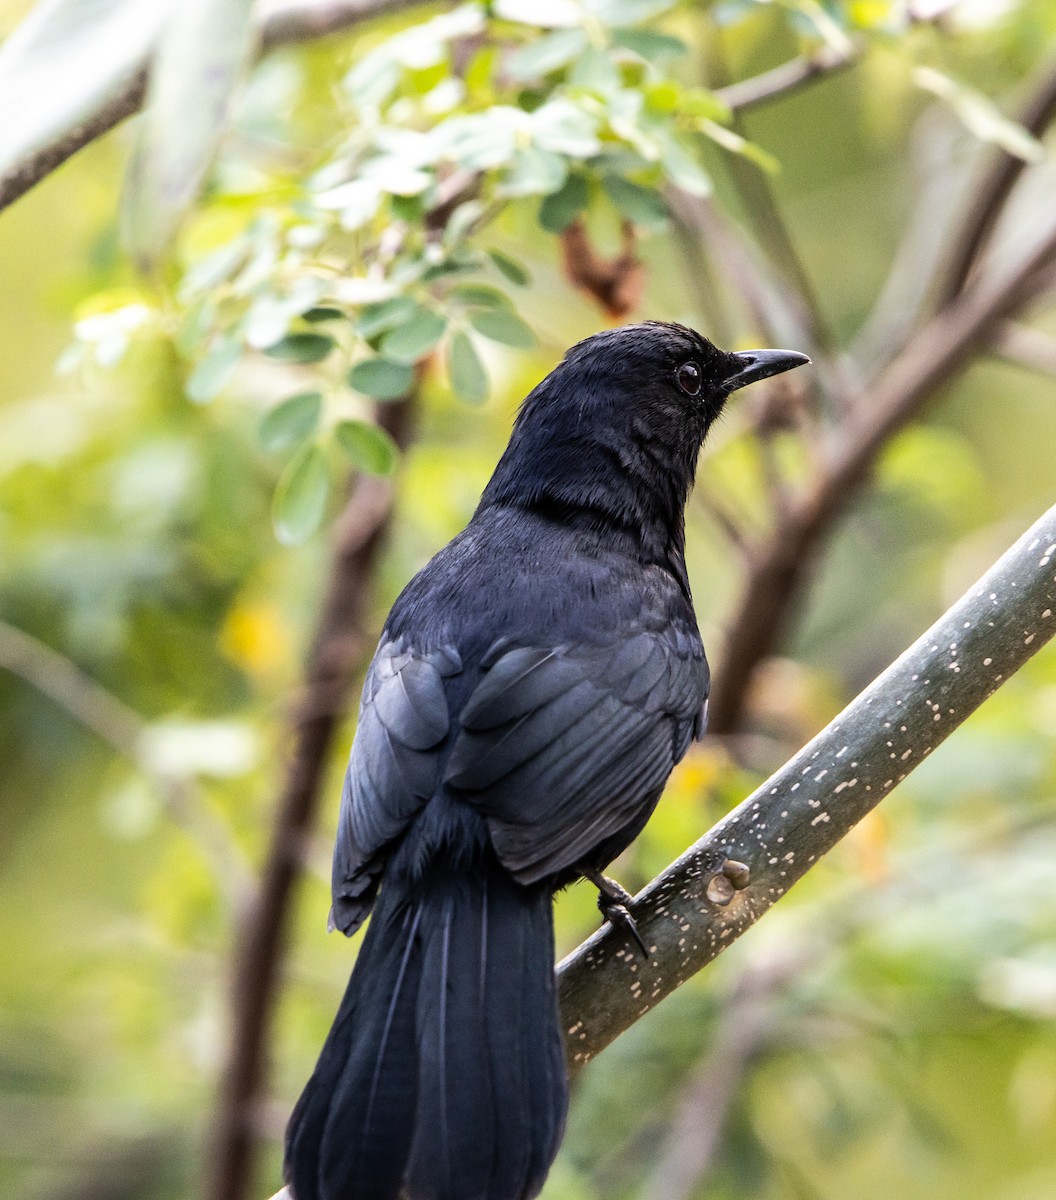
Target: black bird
[(534, 686)]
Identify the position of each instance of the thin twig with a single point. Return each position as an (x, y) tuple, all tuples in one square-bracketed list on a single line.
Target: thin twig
[(281, 24), (340, 645), (991, 196), (122, 728), (780, 81), (724, 883), (695, 1131), (1026, 347)]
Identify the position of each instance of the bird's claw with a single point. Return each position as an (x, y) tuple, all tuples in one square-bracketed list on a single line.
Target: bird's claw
[(619, 916), (613, 901)]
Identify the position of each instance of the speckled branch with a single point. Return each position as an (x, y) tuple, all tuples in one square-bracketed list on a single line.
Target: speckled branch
[(725, 882)]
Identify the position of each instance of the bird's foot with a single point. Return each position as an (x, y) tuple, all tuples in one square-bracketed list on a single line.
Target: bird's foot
[(613, 901)]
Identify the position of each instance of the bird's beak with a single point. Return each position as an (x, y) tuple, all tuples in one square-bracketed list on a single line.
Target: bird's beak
[(754, 365)]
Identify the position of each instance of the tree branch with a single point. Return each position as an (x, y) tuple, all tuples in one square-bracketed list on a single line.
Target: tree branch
[(281, 23), (695, 1130), (988, 203), (703, 902), (128, 733), (781, 567), (1026, 347), (788, 77), (261, 936)]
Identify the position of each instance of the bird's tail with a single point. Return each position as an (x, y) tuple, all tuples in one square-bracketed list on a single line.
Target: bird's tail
[(443, 1077)]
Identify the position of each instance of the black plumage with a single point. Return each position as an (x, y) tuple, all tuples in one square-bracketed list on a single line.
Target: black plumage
[(534, 686)]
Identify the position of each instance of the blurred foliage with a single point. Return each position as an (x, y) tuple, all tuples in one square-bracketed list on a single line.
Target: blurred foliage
[(199, 411)]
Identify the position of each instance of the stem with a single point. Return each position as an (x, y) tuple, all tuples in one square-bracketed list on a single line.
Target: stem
[(689, 914)]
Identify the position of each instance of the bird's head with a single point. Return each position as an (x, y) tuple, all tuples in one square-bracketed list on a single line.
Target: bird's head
[(615, 429)]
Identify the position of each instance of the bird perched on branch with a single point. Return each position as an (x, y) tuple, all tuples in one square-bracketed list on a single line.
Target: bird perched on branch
[(533, 688)]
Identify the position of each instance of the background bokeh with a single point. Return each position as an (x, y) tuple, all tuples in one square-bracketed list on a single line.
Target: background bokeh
[(889, 1028)]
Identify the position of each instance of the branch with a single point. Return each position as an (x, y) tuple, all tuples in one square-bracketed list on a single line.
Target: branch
[(1026, 347), (340, 645), (704, 901), (127, 732), (695, 1130), (989, 201), (281, 24), (789, 77), (781, 567)]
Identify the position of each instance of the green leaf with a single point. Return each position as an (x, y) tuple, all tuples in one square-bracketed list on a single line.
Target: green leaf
[(468, 377), (413, 340), (291, 421), (730, 140), (378, 318), (649, 45), (535, 172), (64, 63), (980, 115), (315, 316), (369, 447), (381, 378), (681, 167), (501, 325), (701, 103), (543, 14), (300, 498), (301, 348), (545, 54), (214, 370), (481, 295), (200, 59), (638, 204), (510, 268), (596, 72), (559, 210)]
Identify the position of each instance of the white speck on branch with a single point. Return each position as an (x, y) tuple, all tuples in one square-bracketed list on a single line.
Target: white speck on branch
[(817, 797)]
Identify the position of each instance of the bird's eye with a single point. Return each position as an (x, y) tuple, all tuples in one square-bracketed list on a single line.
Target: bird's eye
[(688, 378)]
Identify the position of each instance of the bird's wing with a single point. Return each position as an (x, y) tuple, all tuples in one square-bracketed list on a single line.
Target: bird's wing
[(564, 748), (393, 769)]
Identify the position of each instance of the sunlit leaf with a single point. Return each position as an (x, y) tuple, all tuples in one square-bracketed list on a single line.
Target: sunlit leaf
[(64, 62), (543, 14), (214, 370), (681, 167), (980, 115), (595, 71), (545, 54), (652, 46), (291, 421), (381, 378), (369, 447), (468, 377), (416, 337), (535, 172), (201, 55), (501, 325), (732, 141), (300, 498), (301, 348)]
